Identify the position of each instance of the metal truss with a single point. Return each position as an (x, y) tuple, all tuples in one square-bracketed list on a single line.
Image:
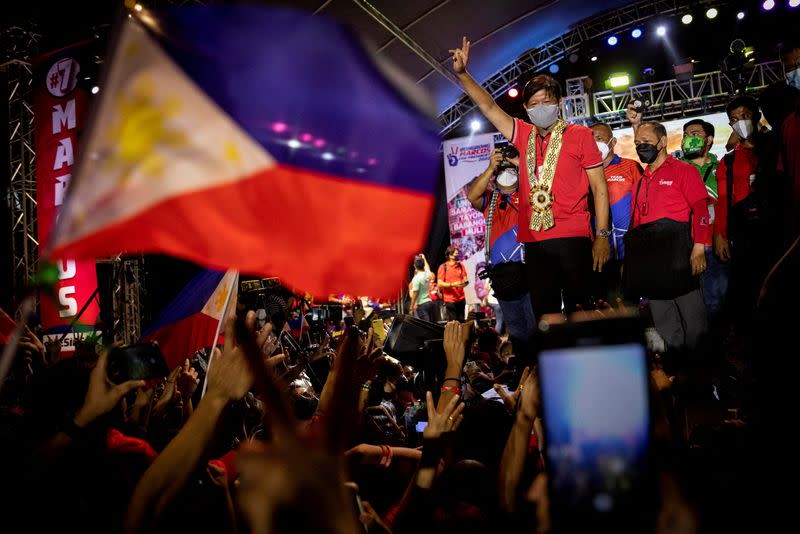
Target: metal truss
[(703, 93), (537, 59), (127, 285), (20, 45)]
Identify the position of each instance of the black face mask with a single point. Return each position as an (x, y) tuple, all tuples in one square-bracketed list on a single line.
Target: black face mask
[(648, 152)]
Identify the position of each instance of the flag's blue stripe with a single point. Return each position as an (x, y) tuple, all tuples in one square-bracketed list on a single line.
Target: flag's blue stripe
[(270, 67), (189, 301)]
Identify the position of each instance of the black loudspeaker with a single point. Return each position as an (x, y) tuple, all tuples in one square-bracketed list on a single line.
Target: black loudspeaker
[(416, 342)]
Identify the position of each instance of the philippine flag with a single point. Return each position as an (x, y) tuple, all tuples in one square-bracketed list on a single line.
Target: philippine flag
[(261, 139), (192, 319)]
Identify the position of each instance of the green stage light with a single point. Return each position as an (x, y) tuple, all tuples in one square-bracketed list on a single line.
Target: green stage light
[(619, 79)]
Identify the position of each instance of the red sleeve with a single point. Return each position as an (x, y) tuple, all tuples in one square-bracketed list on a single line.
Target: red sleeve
[(440, 273), (693, 187), (721, 207), (589, 153), (701, 229), (519, 138)]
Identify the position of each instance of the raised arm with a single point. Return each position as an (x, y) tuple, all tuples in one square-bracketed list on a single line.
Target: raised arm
[(512, 464), (229, 379), (634, 116), (501, 120), (475, 195)]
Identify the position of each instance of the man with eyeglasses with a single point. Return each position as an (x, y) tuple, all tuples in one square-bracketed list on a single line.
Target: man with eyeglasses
[(559, 163), (500, 206)]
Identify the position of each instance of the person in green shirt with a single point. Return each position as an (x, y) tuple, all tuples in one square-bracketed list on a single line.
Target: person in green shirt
[(421, 304), (698, 137)]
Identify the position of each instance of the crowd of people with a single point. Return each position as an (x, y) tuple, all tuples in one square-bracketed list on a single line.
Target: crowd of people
[(346, 438)]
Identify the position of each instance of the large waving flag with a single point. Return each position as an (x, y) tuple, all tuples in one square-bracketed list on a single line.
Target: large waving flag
[(191, 321), (257, 138)]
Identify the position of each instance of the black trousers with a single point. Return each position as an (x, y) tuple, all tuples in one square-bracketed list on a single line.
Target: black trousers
[(426, 311), (455, 310), (556, 269)]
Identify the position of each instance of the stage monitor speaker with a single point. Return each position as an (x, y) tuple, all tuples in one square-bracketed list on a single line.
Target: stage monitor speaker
[(416, 342)]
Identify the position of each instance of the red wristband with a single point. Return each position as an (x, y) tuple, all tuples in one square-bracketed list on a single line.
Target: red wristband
[(451, 389)]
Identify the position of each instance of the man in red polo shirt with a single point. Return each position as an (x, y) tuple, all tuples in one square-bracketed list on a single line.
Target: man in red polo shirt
[(672, 189), (558, 164)]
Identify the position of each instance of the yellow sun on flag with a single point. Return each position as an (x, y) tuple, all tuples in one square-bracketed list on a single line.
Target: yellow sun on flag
[(142, 130), (219, 301)]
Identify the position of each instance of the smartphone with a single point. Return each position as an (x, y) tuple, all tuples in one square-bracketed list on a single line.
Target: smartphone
[(378, 329), (421, 426), (597, 424), (385, 423), (351, 488), (292, 347), (136, 362)]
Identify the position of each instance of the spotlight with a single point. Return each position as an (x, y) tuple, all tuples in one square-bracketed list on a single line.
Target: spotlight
[(138, 7), (554, 68), (475, 125), (768, 4), (294, 143), (636, 33), (740, 15), (306, 137), (279, 127), (573, 58), (661, 31), (594, 58), (513, 92), (612, 40), (794, 3), (712, 13), (327, 156), (687, 18), (649, 73), (95, 90), (619, 79), (319, 143)]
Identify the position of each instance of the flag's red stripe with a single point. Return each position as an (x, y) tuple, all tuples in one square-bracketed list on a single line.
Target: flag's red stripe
[(318, 233), (180, 340)]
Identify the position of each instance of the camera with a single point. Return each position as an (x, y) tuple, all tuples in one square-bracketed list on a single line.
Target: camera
[(267, 298), (640, 104), (508, 151)]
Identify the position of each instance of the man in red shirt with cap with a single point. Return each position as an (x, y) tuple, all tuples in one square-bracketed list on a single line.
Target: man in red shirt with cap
[(558, 164), (672, 189)]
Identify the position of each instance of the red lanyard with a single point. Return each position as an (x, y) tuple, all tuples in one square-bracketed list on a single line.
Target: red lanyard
[(540, 153)]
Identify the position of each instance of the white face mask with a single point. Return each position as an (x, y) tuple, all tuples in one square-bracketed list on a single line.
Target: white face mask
[(743, 128), (543, 115), (603, 149), (508, 178), (793, 78)]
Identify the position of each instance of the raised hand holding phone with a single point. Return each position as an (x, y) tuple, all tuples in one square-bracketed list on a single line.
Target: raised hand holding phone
[(102, 395)]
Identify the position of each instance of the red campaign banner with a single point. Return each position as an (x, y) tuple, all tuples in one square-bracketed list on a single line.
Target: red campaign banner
[(60, 104)]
